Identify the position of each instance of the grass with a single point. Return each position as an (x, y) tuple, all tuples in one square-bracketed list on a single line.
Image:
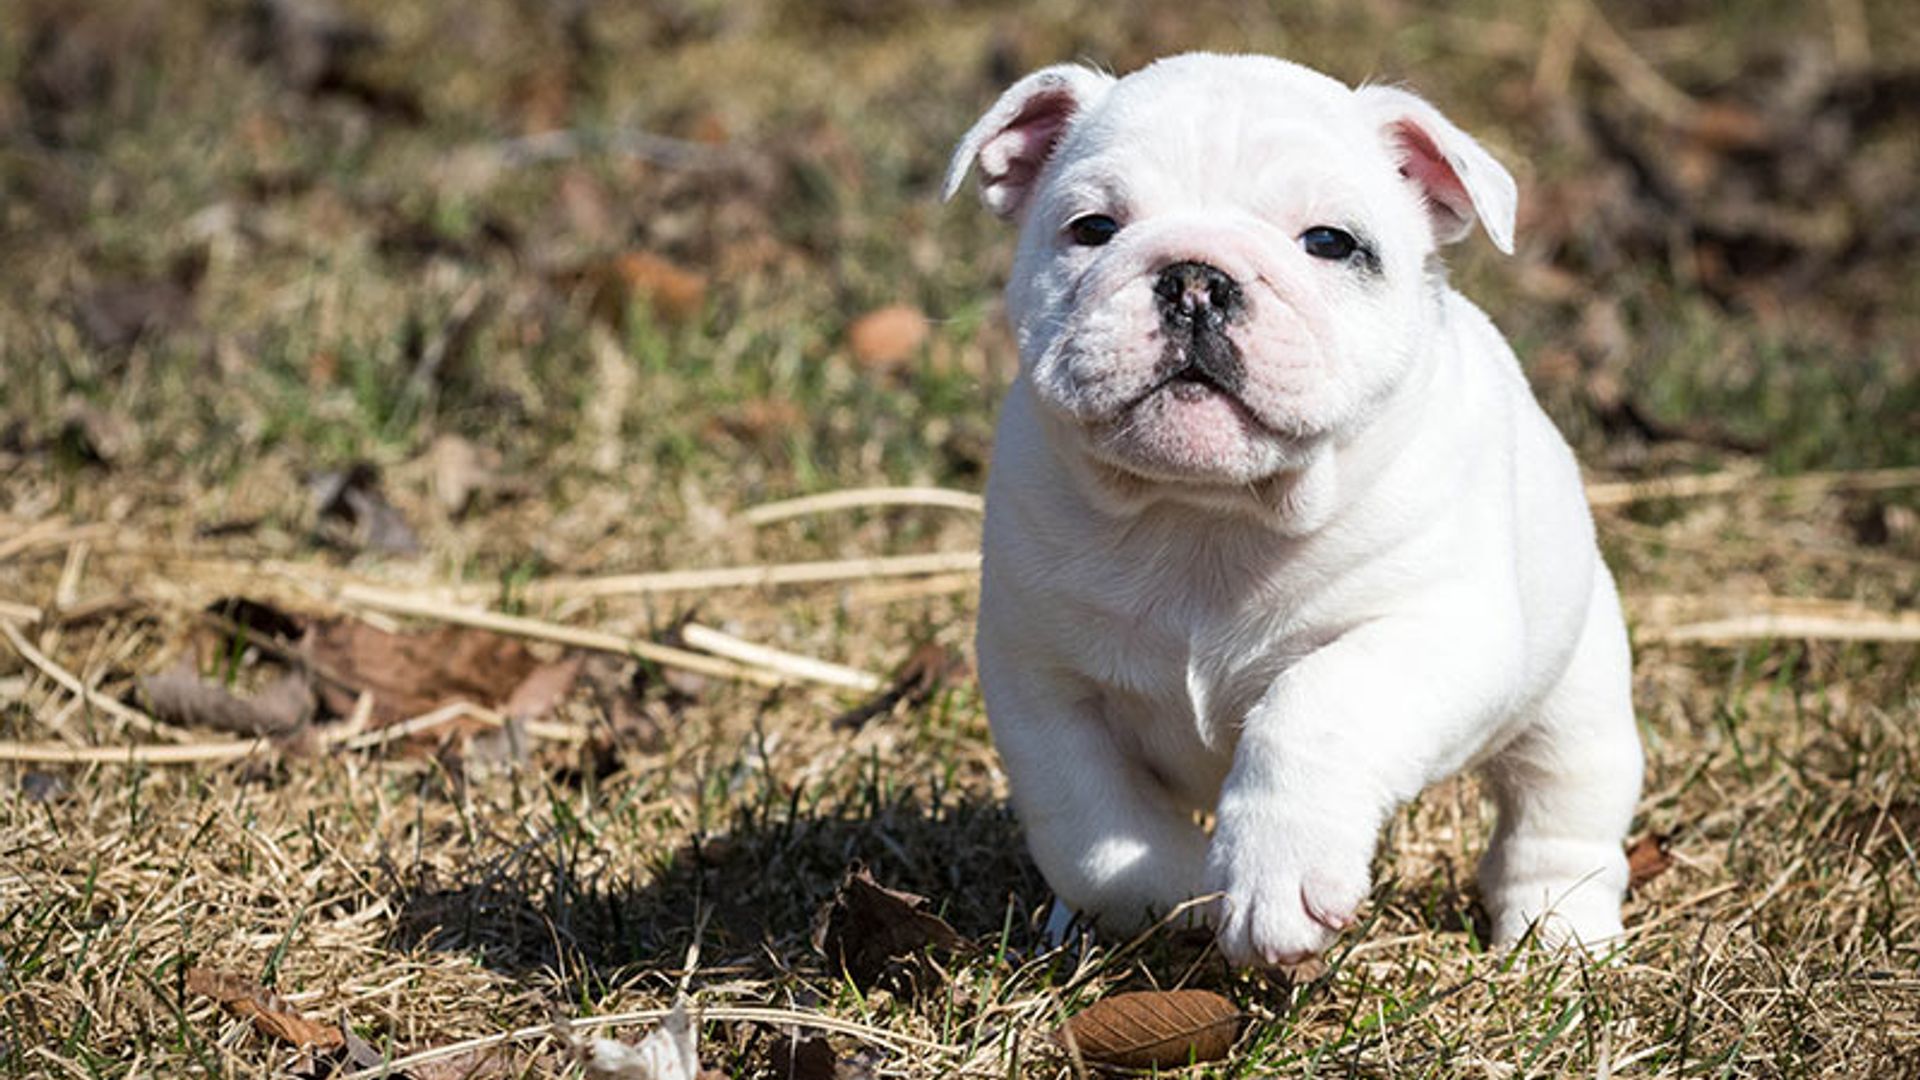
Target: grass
[(425, 899)]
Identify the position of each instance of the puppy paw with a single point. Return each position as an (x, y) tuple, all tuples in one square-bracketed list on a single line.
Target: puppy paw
[(1574, 916), (1281, 902)]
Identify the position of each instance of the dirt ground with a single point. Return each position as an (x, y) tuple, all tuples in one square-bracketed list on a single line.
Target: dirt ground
[(379, 384)]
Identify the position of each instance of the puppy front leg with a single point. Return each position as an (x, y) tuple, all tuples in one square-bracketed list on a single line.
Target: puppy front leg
[(1341, 738), (1109, 838)]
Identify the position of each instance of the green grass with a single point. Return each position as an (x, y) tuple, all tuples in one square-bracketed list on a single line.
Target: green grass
[(425, 900)]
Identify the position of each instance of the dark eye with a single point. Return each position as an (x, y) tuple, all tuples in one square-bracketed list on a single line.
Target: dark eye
[(1327, 242), (1092, 230)]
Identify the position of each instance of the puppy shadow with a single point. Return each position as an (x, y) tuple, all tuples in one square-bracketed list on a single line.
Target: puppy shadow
[(749, 894)]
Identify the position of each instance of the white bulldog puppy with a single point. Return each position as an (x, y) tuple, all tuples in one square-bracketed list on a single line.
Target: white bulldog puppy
[(1276, 531)]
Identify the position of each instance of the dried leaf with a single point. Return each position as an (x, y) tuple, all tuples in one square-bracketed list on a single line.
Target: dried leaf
[(674, 293), (1154, 1029), (461, 471), (260, 617), (352, 513), (867, 927), (41, 787), (178, 696), (669, 1052), (409, 674), (1729, 125), (484, 1063), (925, 670), (94, 435), (1647, 858), (889, 338), (309, 42), (765, 423), (584, 204), (116, 314), (271, 1015), (1898, 824), (544, 688), (812, 1058)]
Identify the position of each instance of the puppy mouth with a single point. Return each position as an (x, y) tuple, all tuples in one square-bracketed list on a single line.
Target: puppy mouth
[(1194, 380), (1189, 382)]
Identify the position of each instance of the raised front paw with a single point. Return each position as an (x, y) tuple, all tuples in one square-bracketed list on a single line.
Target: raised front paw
[(1285, 896)]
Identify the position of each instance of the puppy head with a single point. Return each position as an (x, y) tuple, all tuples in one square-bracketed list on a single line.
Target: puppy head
[(1225, 261)]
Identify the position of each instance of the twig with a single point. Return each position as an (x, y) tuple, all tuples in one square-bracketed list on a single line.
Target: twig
[(1646, 86), (189, 754), (924, 588), (1626, 492), (446, 714), (1674, 910), (1852, 42), (597, 641), (25, 614), (132, 717), (767, 513), (1668, 609), (647, 146), (1553, 71), (50, 534), (736, 577), (67, 592), (898, 1043), (1768, 627), (707, 639)]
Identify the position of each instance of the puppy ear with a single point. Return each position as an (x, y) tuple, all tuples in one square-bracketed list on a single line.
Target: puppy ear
[(1013, 141), (1459, 180)]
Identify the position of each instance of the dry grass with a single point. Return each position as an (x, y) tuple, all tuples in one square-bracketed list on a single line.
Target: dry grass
[(371, 285)]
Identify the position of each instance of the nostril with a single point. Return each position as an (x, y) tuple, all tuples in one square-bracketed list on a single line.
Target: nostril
[(1188, 289)]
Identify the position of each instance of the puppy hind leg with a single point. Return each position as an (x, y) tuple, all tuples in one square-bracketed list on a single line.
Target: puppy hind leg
[(1566, 790)]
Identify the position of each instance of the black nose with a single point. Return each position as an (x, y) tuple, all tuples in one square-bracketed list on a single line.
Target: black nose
[(1196, 296)]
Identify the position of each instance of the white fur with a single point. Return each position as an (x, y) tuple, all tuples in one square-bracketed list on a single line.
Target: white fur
[(1295, 606)]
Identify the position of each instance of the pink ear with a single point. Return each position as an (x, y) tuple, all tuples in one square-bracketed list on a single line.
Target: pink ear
[(1013, 141), (1459, 180)]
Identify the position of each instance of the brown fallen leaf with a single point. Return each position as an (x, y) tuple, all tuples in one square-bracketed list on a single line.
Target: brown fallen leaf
[(116, 314), (410, 674), (94, 435), (352, 513), (308, 42), (179, 696), (668, 1052), (271, 1015), (316, 49), (811, 1058), (1893, 828), (674, 293), (461, 471), (356, 1053), (926, 669), (543, 689), (868, 927), (765, 423), (1648, 858), (484, 1063), (1153, 1029), (887, 339)]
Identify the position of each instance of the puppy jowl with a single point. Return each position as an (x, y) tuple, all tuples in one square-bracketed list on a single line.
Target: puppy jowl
[(1276, 529)]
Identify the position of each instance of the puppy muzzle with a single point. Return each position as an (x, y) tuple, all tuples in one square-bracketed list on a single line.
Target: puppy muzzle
[(1197, 303)]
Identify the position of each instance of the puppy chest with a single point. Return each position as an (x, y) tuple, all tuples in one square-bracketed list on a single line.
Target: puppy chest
[(1174, 687)]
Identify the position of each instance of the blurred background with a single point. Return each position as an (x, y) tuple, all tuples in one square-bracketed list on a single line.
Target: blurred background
[(651, 256)]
